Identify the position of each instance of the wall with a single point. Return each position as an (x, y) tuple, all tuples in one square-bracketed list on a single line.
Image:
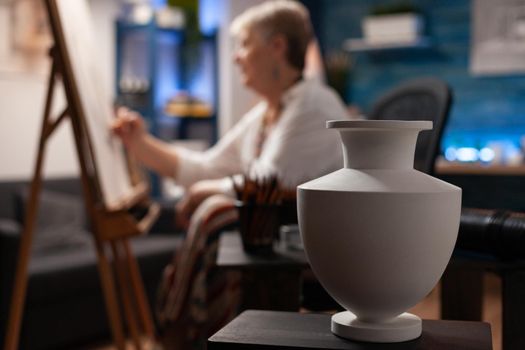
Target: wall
[(484, 109), (234, 99), (22, 94), (22, 99)]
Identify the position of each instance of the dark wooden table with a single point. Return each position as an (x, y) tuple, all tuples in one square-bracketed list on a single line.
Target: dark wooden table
[(256, 329), (268, 281)]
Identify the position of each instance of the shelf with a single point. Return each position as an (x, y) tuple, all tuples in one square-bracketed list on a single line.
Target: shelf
[(188, 116), (170, 64), (362, 45), (131, 26), (152, 25), (452, 168)]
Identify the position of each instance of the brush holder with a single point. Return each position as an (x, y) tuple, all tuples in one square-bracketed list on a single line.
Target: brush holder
[(259, 226)]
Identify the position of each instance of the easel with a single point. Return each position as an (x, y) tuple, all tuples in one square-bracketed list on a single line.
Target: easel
[(111, 227)]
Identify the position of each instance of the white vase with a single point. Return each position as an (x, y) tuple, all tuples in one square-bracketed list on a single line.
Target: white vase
[(378, 234), (395, 28)]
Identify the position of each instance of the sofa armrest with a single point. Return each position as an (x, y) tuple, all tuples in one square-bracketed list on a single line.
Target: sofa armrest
[(10, 232), (491, 233)]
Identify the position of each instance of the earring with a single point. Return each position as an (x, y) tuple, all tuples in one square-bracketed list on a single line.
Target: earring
[(276, 72)]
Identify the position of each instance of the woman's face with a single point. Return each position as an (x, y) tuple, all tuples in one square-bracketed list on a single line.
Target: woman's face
[(255, 58)]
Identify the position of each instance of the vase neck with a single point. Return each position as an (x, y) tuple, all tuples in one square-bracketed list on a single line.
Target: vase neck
[(379, 148)]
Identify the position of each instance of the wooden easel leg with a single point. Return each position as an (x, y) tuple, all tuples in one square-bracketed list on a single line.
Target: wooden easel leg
[(18, 293), (125, 292), (140, 294), (110, 297), (132, 292)]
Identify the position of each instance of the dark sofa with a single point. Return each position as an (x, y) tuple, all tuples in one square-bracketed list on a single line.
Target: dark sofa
[(64, 306)]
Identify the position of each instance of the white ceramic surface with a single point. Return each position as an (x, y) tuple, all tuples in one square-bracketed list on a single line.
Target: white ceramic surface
[(378, 234)]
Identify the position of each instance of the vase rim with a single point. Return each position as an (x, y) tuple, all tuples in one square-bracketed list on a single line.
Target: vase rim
[(379, 124)]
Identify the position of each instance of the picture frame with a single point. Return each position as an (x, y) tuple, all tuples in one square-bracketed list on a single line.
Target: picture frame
[(25, 36), (498, 37)]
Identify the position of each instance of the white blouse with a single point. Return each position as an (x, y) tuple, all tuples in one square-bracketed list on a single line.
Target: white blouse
[(297, 148)]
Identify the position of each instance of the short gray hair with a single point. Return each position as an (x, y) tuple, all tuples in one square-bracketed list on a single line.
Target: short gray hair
[(288, 18)]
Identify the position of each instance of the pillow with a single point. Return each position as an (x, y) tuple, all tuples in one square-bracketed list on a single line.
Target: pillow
[(60, 222)]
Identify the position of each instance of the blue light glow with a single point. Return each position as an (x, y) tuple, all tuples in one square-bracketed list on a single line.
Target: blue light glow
[(450, 154), (157, 3), (467, 154), (495, 146), (486, 154), (210, 14)]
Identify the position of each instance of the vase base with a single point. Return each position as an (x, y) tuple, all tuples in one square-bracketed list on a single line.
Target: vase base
[(402, 328)]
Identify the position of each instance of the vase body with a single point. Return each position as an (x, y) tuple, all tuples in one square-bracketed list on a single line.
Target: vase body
[(378, 234)]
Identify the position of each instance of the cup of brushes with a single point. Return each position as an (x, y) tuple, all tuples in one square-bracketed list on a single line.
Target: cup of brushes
[(259, 205)]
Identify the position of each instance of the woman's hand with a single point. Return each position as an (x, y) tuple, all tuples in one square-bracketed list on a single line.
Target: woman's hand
[(195, 195), (155, 154), (129, 126)]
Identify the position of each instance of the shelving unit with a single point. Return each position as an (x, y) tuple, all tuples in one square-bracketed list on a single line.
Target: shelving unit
[(155, 65), (170, 79), (137, 54), (362, 45)]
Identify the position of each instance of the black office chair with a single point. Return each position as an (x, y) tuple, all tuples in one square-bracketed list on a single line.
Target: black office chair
[(488, 240), (418, 99)]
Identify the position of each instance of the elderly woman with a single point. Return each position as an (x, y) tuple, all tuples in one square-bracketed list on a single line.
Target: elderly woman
[(283, 135)]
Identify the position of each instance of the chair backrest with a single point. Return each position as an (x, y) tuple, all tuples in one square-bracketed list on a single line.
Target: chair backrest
[(418, 99)]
